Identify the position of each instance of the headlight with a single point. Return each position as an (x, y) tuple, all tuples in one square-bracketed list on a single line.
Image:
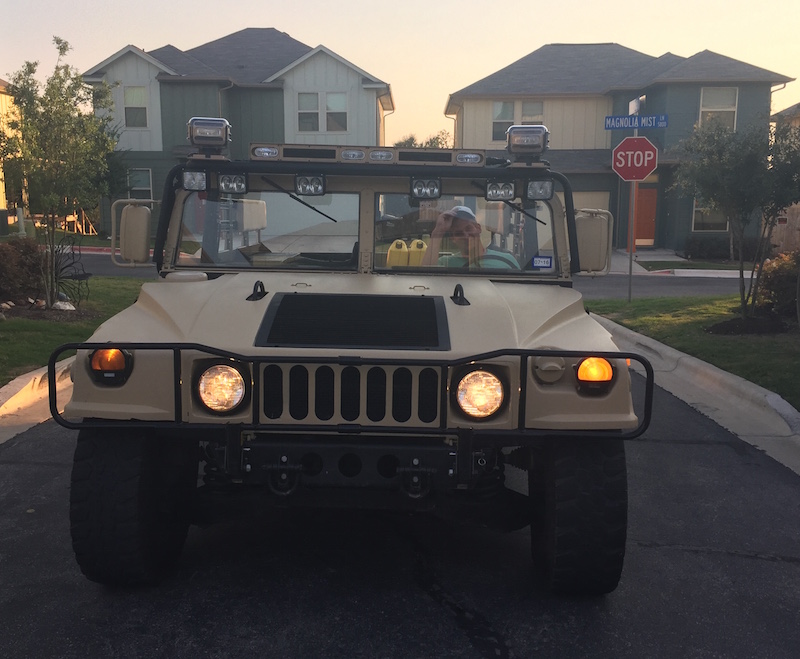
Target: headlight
[(480, 394), (221, 388), (426, 188)]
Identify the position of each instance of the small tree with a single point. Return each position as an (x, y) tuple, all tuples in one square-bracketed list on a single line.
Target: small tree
[(743, 174), (60, 147), (441, 140)]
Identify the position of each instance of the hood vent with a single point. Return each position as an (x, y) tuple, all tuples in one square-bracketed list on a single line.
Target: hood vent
[(394, 322)]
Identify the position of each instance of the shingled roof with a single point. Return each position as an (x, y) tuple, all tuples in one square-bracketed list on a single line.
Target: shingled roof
[(246, 57), (601, 68)]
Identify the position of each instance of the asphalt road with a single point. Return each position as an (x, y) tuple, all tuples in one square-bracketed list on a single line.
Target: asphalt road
[(592, 288), (712, 570)]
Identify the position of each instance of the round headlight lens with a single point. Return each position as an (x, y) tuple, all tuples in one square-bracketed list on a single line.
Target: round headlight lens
[(221, 388), (480, 394)]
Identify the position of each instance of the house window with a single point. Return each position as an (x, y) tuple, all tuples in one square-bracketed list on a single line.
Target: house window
[(140, 184), (335, 111), (135, 107), (532, 113), (308, 112), (502, 119), (708, 220), (719, 103)]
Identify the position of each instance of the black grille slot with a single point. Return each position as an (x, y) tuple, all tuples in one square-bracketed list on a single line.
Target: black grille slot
[(428, 401), (401, 395), (323, 393), (376, 394), (298, 392), (273, 392), (351, 394)]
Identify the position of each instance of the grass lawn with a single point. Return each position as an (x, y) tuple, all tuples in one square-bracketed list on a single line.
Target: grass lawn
[(681, 323), (26, 342)]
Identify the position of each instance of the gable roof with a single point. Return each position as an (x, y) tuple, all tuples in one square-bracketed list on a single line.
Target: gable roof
[(601, 68), (792, 112), (707, 66), (249, 56), (98, 70)]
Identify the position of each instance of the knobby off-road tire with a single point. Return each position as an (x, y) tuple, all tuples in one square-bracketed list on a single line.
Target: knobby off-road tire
[(578, 493), (130, 504)]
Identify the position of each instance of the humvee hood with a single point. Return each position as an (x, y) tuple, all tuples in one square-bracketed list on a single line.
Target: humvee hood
[(354, 312)]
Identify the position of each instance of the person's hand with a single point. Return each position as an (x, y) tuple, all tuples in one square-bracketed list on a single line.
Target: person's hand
[(443, 225)]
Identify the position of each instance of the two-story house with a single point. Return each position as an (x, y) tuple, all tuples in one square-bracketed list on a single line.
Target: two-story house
[(5, 104), (572, 88), (271, 87), (786, 234)]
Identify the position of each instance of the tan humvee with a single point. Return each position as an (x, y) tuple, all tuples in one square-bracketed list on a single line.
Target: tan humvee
[(373, 327)]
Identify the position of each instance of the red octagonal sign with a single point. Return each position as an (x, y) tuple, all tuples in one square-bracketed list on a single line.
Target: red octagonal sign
[(634, 159)]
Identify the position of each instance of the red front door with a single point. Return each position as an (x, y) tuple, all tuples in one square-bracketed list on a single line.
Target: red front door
[(645, 226)]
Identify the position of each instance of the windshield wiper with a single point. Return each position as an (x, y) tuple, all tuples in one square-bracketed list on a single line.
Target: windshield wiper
[(296, 198)]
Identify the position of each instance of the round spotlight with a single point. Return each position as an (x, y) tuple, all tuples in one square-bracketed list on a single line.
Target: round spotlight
[(221, 388), (480, 394)]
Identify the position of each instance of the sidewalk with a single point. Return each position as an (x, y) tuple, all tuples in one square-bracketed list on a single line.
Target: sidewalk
[(621, 264)]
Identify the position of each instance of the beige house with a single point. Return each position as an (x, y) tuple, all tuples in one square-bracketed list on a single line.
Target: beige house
[(5, 104), (786, 235)]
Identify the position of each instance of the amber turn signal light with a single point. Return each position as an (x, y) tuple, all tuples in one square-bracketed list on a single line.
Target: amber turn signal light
[(110, 366), (595, 369)]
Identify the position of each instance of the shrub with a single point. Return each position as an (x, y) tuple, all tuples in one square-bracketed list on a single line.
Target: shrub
[(717, 247), (778, 288), (20, 269)]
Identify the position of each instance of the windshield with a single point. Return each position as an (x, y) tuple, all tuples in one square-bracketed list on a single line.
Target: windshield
[(463, 232), (269, 229), (273, 229)]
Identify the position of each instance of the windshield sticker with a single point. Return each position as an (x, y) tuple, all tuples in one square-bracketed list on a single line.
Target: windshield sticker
[(542, 262)]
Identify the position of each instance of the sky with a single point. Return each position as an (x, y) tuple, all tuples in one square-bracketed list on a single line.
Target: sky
[(425, 49)]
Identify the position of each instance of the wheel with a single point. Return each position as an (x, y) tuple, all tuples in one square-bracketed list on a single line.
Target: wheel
[(578, 497), (130, 504)]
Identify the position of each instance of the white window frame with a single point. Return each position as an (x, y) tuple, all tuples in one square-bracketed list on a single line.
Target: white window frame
[(718, 109), (322, 112), (532, 119), (144, 107), (495, 120)]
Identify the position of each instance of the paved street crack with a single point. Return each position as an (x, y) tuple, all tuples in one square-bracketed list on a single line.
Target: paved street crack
[(478, 629), (770, 558)]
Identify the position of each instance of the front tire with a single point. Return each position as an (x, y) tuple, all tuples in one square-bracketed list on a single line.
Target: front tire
[(578, 491), (130, 504)]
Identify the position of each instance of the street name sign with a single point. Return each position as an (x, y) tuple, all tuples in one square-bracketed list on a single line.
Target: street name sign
[(635, 121)]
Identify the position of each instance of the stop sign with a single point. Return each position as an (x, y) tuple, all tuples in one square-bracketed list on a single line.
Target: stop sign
[(634, 159)]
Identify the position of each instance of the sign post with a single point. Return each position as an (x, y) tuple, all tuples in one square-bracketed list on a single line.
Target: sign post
[(633, 159)]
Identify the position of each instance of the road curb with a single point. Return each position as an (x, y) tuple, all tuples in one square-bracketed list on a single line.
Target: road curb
[(31, 387)]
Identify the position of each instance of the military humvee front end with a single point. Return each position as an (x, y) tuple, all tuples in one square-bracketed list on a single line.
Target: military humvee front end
[(369, 327)]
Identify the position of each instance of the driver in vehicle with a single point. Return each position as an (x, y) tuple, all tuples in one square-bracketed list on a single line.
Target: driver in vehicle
[(460, 227)]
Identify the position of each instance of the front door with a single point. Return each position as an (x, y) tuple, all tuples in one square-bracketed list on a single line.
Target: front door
[(645, 225)]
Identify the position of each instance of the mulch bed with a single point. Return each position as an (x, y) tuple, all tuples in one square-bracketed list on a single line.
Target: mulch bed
[(760, 324)]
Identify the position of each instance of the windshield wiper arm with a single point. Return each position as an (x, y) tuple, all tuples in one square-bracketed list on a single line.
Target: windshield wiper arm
[(296, 198)]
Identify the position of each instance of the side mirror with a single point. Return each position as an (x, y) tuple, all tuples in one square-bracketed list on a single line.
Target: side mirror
[(594, 230), (134, 235)]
